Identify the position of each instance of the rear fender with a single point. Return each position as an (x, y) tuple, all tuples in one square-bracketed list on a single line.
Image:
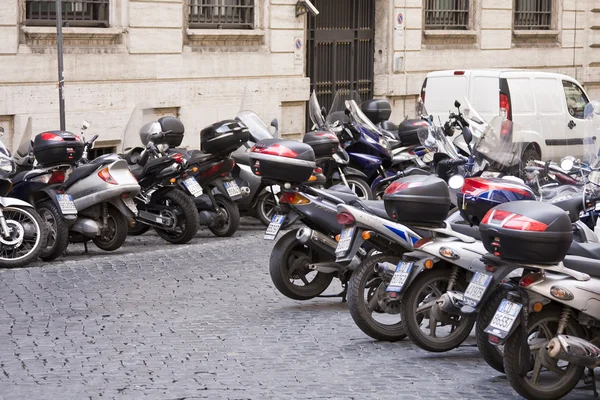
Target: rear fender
[(118, 203), (419, 266)]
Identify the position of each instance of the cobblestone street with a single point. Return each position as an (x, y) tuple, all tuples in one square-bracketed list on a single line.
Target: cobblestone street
[(203, 320)]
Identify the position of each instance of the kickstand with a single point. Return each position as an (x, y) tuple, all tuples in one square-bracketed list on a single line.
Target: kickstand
[(85, 246), (591, 379), (341, 294)]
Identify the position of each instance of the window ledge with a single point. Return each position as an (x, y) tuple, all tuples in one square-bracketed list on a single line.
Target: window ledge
[(49, 33), (442, 33), (526, 34), (226, 36)]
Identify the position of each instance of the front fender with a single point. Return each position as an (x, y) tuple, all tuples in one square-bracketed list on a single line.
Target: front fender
[(12, 202), (349, 171)]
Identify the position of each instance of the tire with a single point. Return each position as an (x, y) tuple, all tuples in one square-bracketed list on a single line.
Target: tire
[(230, 211), (289, 255), (490, 353), (512, 354), (265, 205), (436, 279), (114, 235), (186, 213), (358, 305), (30, 229), (57, 231), (360, 187), (137, 229)]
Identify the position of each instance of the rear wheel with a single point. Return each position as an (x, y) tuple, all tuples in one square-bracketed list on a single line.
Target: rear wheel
[(57, 238), (265, 209), (492, 355), (113, 232), (183, 211), (229, 217), (137, 229)]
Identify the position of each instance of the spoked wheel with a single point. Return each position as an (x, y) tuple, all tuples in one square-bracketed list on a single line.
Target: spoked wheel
[(420, 323), (57, 238), (529, 369), (289, 269), (229, 217), (182, 210), (114, 233), (360, 188), (372, 309), (25, 240), (265, 209)]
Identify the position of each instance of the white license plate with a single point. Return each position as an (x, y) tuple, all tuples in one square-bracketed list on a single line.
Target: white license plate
[(130, 204), (476, 289), (274, 227), (67, 206), (505, 317), (345, 241), (400, 276), (232, 188), (192, 185)]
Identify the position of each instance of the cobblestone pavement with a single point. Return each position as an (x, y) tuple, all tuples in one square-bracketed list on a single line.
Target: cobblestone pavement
[(203, 320)]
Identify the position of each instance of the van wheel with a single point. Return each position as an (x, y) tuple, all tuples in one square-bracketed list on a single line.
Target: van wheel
[(530, 154)]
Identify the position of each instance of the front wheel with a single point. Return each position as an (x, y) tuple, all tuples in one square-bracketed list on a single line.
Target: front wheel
[(373, 311), (289, 269), (360, 187), (533, 374), (418, 317), (229, 217), (113, 232), (183, 211), (25, 239)]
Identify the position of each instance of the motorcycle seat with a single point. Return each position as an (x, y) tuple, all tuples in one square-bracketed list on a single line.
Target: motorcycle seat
[(588, 250), (198, 158), (241, 158), (584, 265), (375, 207), (339, 192), (390, 127), (466, 229), (81, 172)]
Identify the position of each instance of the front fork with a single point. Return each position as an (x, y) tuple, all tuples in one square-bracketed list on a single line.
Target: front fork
[(342, 176), (3, 225)]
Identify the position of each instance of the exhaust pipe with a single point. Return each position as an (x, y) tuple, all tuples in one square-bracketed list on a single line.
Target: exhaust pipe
[(316, 240), (574, 350), (448, 305), (87, 227), (245, 191), (385, 270)]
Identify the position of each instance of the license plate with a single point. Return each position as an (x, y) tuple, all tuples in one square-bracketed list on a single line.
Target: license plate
[(274, 227), (130, 204), (400, 276), (345, 241), (476, 289), (192, 185), (232, 188), (505, 317), (65, 201)]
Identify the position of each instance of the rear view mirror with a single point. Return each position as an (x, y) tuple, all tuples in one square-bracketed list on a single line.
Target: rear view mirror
[(456, 104), (467, 135), (275, 124), (323, 111)]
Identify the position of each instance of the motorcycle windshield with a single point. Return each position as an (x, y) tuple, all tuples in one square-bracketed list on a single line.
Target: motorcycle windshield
[(140, 115), (435, 141), (337, 112), (500, 144), (476, 122), (359, 117), (314, 110), (257, 127), (25, 145)]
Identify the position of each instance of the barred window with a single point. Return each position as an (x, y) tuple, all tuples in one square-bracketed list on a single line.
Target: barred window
[(216, 14), (533, 14), (74, 12), (447, 14)]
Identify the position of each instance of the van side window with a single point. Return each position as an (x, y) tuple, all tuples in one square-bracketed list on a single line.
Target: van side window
[(576, 100)]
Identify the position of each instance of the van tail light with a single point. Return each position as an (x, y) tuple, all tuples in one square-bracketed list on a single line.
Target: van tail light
[(505, 112), (530, 279), (512, 221), (459, 72), (52, 137), (105, 175), (293, 198), (399, 186), (345, 218), (423, 89), (275, 150), (57, 177)]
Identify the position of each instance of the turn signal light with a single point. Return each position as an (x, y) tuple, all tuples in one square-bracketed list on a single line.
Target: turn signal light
[(194, 169), (105, 175), (337, 237), (428, 264), (366, 235), (537, 307), (312, 178), (293, 198), (561, 293), (172, 180)]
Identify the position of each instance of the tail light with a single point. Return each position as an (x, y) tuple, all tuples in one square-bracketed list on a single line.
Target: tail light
[(423, 89), (293, 198), (505, 111), (420, 123), (530, 279), (57, 177), (105, 175), (345, 218), (223, 167), (399, 186), (52, 137), (513, 221), (422, 242), (275, 150), (178, 157), (318, 170), (459, 72)]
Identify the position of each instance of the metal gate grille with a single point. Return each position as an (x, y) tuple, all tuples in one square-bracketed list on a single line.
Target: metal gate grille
[(340, 48)]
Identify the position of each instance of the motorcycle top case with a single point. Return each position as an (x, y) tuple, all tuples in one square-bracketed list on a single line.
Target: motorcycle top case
[(408, 131), (418, 199), (479, 195), (324, 144), (282, 160), (57, 147), (377, 110), (173, 128), (223, 137), (529, 232)]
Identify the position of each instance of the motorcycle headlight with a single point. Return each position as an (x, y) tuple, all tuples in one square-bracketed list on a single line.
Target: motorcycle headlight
[(7, 166), (383, 142)]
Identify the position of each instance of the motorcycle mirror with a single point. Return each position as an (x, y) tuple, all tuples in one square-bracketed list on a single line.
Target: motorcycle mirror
[(85, 125), (467, 135), (347, 111), (567, 163), (456, 104), (456, 182), (275, 124)]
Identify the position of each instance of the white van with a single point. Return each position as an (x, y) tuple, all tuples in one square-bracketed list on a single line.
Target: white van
[(548, 107)]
